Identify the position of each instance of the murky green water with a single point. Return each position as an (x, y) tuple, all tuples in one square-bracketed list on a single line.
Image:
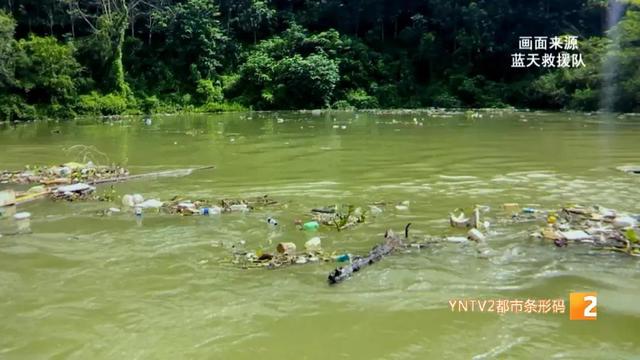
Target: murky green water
[(83, 286)]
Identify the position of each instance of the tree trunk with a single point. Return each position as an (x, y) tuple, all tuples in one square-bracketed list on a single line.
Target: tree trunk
[(357, 16), (50, 13), (391, 243), (121, 85), (395, 28), (150, 30)]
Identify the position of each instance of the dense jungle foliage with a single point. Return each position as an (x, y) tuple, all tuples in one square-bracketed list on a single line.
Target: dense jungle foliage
[(59, 58)]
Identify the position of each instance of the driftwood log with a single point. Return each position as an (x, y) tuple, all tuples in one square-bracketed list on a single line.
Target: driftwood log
[(390, 244)]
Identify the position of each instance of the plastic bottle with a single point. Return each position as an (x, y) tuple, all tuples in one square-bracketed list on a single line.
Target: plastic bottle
[(475, 235), (214, 210), (127, 200), (529, 210), (314, 244), (624, 222), (342, 258), (138, 211), (239, 207), (311, 225), (64, 171), (272, 221), (137, 199), (375, 211)]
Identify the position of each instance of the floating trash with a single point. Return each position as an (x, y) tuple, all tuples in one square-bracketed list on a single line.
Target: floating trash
[(575, 235), (311, 226), (151, 204), (7, 198), (476, 235), (630, 169), (403, 206), (285, 255), (214, 210), (73, 192), (288, 248), (313, 244), (137, 199), (375, 211), (127, 200), (22, 216), (342, 258), (605, 229), (239, 207), (133, 200), (511, 208), (71, 172), (624, 222), (340, 217), (461, 221)]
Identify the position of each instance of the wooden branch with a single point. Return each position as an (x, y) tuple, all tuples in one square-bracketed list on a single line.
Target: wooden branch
[(158, 174), (391, 243), (85, 17)]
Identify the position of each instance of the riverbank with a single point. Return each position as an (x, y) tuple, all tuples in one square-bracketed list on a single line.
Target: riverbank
[(220, 108)]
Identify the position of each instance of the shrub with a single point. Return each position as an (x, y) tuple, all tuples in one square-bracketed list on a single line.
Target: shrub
[(46, 70), (446, 100), (585, 99), (342, 105), (361, 100), (221, 107), (387, 96), (13, 107), (96, 104), (150, 105), (207, 92), (305, 82)]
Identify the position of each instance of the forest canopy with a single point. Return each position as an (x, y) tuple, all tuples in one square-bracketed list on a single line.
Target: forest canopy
[(59, 58)]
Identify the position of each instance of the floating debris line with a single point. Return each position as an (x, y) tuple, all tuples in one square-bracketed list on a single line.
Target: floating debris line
[(78, 182), (68, 173), (603, 228)]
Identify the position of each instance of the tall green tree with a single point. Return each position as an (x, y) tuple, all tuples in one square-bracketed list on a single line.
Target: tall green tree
[(7, 49), (108, 21), (46, 71), (195, 42), (254, 15)]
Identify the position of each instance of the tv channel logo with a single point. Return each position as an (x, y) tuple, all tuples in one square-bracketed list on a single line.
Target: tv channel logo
[(583, 306)]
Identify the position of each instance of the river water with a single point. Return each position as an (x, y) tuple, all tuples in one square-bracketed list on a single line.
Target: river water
[(85, 286)]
